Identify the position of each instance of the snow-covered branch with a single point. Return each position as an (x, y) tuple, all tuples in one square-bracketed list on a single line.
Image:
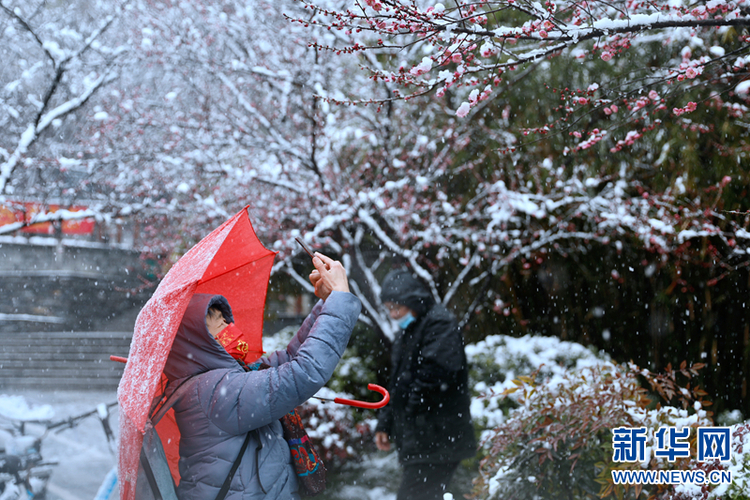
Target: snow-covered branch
[(96, 34), (473, 261), (32, 132)]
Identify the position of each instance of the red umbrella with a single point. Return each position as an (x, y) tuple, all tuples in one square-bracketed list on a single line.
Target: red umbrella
[(230, 261)]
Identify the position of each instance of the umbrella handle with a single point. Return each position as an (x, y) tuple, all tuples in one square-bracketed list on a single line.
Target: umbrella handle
[(362, 404)]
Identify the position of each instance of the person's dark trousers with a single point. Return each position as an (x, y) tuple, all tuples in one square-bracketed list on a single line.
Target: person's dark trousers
[(425, 481)]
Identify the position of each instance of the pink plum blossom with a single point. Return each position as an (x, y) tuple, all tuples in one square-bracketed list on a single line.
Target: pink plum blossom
[(691, 106), (375, 4)]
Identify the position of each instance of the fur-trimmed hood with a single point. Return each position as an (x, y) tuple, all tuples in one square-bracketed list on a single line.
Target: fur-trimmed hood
[(194, 350)]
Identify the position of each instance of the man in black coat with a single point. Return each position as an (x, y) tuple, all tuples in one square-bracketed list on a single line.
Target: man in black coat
[(428, 417)]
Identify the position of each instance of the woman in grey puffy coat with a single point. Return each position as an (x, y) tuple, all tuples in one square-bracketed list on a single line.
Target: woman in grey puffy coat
[(225, 402)]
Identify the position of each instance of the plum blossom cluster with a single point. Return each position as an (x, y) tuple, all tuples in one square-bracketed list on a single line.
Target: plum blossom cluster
[(689, 108), (475, 97), (690, 68), (567, 23), (595, 136), (630, 139), (464, 45)]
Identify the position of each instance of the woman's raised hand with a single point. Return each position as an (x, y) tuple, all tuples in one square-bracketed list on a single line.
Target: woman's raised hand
[(329, 275)]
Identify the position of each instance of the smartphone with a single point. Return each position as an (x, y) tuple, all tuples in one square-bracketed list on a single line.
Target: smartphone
[(305, 247)]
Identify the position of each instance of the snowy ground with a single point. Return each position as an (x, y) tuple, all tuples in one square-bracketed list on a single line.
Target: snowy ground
[(82, 452)]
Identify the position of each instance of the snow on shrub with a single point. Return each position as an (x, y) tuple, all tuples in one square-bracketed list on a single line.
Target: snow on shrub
[(546, 409), (498, 360)]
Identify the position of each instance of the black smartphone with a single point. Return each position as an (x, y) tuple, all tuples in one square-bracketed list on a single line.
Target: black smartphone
[(305, 247)]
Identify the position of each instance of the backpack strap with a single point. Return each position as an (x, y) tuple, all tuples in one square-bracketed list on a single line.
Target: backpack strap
[(228, 481), (171, 400), (150, 476)]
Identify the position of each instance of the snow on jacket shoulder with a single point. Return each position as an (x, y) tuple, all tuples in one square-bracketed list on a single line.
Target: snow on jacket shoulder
[(225, 402)]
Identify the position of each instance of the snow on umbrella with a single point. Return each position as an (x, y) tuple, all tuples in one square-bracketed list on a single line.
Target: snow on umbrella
[(230, 261)]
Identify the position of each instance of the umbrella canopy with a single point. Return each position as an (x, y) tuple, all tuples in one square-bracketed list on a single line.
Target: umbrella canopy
[(230, 261)]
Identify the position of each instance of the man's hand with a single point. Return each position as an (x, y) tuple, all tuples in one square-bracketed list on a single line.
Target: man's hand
[(382, 441), (329, 275)]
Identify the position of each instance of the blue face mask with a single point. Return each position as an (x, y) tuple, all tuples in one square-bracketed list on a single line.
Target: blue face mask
[(406, 321)]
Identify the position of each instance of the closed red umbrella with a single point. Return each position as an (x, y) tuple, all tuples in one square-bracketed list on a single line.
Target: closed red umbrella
[(230, 261)]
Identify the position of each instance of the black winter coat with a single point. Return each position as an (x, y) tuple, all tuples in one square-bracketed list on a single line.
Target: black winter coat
[(428, 417)]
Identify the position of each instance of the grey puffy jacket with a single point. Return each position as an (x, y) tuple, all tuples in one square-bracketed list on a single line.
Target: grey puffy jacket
[(225, 402)]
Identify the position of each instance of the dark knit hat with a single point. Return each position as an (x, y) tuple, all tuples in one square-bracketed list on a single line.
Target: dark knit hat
[(402, 287), (222, 304)]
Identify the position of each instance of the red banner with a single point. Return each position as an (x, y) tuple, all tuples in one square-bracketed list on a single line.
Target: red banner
[(12, 212)]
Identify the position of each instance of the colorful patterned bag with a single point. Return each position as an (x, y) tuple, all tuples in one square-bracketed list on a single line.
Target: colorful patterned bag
[(311, 472)]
